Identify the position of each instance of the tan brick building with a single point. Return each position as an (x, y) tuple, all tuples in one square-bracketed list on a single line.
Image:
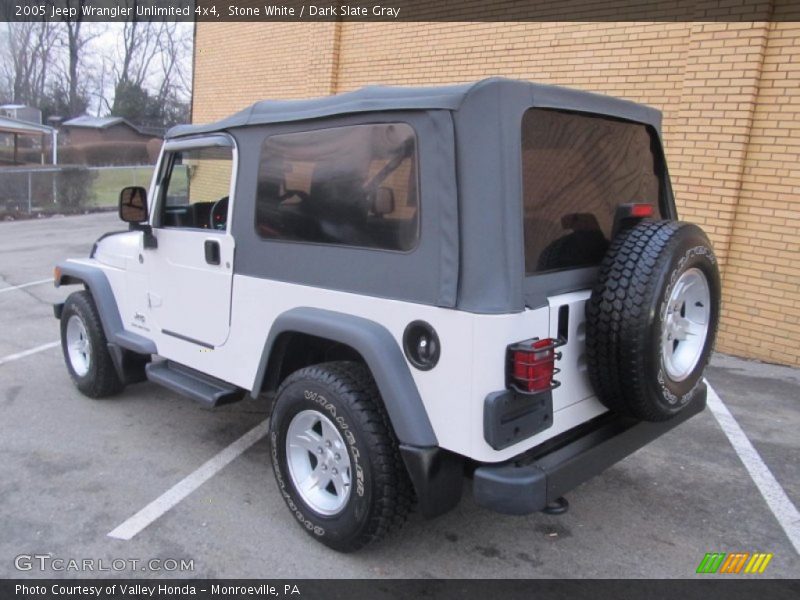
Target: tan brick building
[(730, 93)]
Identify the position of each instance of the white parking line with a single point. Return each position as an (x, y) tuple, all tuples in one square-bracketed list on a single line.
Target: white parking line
[(23, 354), (186, 486), (25, 285), (779, 503)]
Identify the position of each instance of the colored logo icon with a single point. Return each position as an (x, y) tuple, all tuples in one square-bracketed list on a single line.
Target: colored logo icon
[(734, 563)]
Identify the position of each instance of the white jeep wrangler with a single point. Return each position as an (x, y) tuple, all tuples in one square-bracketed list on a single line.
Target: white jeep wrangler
[(485, 280)]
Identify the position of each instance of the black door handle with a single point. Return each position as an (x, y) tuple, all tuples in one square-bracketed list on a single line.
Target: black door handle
[(212, 252)]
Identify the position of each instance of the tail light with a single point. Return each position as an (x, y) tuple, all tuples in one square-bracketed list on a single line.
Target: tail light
[(627, 215), (531, 365), (640, 211)]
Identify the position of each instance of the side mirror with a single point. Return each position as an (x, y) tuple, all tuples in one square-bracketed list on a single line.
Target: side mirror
[(383, 201), (133, 204)]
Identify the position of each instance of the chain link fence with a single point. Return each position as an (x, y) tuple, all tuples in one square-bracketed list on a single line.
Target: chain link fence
[(31, 191)]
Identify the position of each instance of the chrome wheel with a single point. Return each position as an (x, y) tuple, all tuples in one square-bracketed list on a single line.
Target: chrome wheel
[(319, 464), (685, 327), (79, 348)]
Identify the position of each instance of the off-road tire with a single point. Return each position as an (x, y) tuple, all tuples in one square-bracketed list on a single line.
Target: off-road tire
[(625, 313), (381, 493), (101, 380)]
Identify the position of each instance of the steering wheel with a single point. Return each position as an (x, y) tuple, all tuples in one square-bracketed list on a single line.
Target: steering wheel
[(218, 216)]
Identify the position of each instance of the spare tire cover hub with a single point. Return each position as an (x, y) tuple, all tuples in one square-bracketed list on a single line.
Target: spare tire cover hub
[(685, 328)]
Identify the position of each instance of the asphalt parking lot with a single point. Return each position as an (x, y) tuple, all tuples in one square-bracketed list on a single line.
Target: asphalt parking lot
[(74, 469)]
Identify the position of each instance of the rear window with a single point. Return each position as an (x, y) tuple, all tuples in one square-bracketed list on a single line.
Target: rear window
[(352, 186), (576, 170)]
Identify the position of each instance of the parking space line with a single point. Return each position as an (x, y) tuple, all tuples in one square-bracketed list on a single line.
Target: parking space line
[(25, 285), (779, 503), (24, 353), (186, 486)]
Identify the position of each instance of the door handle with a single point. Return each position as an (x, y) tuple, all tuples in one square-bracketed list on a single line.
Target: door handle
[(212, 252)]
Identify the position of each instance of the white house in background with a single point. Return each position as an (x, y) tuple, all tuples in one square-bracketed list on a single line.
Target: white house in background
[(21, 112), (10, 132)]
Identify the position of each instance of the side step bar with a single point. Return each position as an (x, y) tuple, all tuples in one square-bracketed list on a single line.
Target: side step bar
[(208, 391)]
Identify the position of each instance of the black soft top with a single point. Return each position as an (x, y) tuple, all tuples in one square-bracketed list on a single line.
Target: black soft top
[(378, 98), (471, 250)]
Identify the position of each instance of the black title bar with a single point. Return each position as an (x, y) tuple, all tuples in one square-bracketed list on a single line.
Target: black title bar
[(395, 589), (400, 10)]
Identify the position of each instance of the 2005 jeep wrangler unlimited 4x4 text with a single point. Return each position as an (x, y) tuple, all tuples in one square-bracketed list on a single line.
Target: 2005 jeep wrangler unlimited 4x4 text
[(426, 283)]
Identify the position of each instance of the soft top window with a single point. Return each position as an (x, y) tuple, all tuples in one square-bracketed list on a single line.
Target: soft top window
[(354, 186), (576, 170)]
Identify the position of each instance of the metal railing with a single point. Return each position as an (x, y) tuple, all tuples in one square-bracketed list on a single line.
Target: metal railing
[(66, 188)]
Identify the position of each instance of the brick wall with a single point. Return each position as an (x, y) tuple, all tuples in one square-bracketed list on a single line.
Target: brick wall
[(239, 63), (729, 91), (762, 278)]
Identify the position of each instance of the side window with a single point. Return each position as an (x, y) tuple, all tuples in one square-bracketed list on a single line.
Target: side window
[(353, 186), (576, 170), (195, 191)]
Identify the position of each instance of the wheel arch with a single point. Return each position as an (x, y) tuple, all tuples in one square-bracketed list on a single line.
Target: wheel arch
[(377, 348), (96, 282)]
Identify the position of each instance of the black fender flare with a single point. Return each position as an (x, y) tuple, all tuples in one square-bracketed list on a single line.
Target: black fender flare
[(95, 280), (380, 352)]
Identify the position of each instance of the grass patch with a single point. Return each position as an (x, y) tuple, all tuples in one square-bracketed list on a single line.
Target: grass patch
[(110, 181)]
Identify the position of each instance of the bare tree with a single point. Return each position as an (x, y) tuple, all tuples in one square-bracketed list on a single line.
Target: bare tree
[(141, 43), (175, 47), (70, 93), (59, 67), (103, 71), (75, 43), (28, 53), (151, 84)]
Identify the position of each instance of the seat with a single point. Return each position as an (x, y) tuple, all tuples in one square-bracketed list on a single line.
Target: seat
[(338, 203)]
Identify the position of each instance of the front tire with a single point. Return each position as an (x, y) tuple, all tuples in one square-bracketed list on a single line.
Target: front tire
[(336, 458), (85, 348)]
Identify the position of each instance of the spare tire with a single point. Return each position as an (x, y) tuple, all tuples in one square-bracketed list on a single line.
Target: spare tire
[(652, 319)]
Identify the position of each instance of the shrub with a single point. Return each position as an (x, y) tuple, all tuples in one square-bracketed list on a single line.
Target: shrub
[(71, 155), (74, 185)]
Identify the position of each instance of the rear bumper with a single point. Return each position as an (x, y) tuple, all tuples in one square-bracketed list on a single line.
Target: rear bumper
[(530, 481)]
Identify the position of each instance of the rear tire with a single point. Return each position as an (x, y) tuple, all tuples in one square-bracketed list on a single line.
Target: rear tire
[(85, 348), (652, 319), (328, 419)]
